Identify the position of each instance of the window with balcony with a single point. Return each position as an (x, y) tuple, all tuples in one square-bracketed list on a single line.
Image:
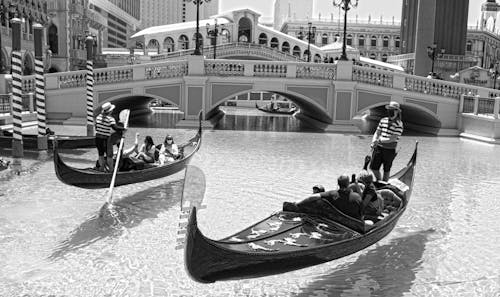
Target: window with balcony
[(373, 41), (385, 42)]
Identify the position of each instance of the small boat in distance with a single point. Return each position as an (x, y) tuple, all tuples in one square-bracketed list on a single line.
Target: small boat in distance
[(279, 110), (287, 240)]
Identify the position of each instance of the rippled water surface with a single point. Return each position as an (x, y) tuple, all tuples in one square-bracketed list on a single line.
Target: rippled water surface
[(55, 239)]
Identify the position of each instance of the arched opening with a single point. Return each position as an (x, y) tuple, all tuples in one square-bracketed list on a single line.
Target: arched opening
[(275, 43), (263, 39), (373, 56), (317, 58), (225, 36), (337, 37), (468, 46), (296, 51), (53, 39), (361, 40), (384, 58), (169, 44), (397, 42), (200, 40), (183, 42), (385, 41), (285, 47), (28, 65), (306, 55), (153, 44), (415, 119), (300, 35), (324, 39), (5, 60), (245, 30), (349, 40)]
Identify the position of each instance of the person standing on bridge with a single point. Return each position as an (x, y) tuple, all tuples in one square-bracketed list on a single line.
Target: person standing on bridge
[(385, 140)]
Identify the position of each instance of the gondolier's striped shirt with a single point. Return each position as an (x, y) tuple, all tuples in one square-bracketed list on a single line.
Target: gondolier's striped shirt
[(103, 124), (388, 128)]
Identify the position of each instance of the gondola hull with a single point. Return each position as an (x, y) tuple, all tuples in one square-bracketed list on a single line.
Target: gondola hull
[(288, 241), (93, 179)]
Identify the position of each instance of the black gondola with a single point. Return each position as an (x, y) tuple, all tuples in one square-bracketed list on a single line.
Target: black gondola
[(287, 241), (92, 179), (276, 111)]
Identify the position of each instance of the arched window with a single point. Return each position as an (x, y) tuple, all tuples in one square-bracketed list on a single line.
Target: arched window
[(28, 65), (183, 42), (296, 51), (384, 58), (53, 39), (374, 41), (397, 42), (275, 43), (373, 56), (200, 40), (285, 47), (153, 44), (324, 39), (468, 46), (168, 44), (361, 40), (337, 37), (349, 40), (385, 41), (263, 39), (245, 30)]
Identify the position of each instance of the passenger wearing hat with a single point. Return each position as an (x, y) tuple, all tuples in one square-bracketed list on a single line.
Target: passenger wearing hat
[(104, 125), (385, 140)]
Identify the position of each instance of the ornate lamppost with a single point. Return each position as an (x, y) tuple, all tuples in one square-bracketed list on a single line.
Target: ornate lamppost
[(345, 5), (214, 33), (494, 74), (310, 35), (197, 38), (432, 52)]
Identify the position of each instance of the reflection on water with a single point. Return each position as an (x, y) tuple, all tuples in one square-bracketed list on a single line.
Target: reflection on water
[(126, 213), (234, 118), (388, 269)]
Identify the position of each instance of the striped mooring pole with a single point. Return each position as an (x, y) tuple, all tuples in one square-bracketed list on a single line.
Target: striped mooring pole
[(89, 43), (40, 88), (17, 103)]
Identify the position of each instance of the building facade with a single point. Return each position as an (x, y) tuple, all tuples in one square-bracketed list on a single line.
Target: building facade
[(289, 10), (375, 40), (153, 13), (119, 24), (30, 12), (180, 11)]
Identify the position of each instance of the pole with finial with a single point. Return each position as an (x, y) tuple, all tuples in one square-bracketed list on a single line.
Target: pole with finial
[(17, 103)]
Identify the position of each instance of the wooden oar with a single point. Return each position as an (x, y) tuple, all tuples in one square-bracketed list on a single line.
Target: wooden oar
[(124, 114), (192, 195)]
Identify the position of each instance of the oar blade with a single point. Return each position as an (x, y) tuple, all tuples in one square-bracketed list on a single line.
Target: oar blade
[(192, 195)]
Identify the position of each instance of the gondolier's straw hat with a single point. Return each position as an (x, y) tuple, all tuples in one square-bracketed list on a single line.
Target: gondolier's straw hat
[(108, 107), (393, 105)]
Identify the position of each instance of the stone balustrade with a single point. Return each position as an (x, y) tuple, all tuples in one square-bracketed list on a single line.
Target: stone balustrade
[(224, 68), (112, 75), (166, 70), (373, 76), (437, 87), (482, 106), (316, 71)]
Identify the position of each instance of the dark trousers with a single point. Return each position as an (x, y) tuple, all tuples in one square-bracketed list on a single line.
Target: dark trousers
[(382, 156)]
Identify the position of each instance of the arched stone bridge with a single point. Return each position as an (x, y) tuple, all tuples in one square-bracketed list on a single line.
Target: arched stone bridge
[(330, 96)]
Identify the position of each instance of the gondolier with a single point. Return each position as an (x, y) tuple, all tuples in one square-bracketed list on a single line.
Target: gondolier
[(385, 140), (104, 125)]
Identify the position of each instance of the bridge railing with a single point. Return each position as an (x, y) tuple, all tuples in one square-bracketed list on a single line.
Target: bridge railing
[(234, 48), (481, 106), (120, 74)]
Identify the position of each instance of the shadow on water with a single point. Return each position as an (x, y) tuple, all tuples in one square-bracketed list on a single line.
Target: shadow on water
[(387, 270), (126, 213)]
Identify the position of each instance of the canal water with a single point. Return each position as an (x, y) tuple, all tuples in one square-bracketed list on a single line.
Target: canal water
[(56, 241)]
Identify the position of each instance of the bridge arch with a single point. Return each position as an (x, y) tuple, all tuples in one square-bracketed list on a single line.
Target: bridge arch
[(415, 117), (137, 103), (308, 107)]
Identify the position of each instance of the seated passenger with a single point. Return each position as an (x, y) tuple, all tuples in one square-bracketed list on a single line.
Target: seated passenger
[(344, 199), (147, 150), (169, 152), (373, 204), (318, 189)]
